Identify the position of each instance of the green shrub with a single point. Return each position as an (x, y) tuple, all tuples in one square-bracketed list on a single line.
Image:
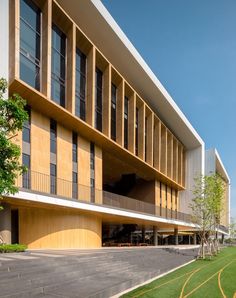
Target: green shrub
[(12, 248)]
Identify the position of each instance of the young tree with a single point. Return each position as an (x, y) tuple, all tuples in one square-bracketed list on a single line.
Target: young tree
[(206, 209), (201, 212), (12, 117), (232, 230), (216, 191)]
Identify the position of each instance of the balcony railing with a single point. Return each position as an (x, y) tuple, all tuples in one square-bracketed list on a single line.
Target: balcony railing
[(46, 184), (224, 229)]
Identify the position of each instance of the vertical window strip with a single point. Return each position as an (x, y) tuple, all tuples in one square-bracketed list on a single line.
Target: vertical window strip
[(145, 138), (74, 185), (126, 110), (80, 90), (30, 40), (27, 127), (98, 102), (26, 183), (92, 172), (58, 65), (113, 111), (74, 147), (53, 178), (53, 136), (136, 132)]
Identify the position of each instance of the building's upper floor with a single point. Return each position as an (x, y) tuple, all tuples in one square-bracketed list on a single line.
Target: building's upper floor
[(58, 69)]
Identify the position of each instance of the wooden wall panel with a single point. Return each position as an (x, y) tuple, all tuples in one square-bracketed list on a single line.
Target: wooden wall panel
[(40, 152), (98, 175), (106, 107), (169, 155), (150, 128), (120, 114), (163, 149), (141, 130), (64, 161), (177, 200), (163, 195), (46, 48), (169, 197), (180, 163), (90, 102), (70, 73), (84, 169), (157, 144), (42, 228), (14, 45), (173, 200), (131, 123), (183, 168), (157, 196), (175, 160)]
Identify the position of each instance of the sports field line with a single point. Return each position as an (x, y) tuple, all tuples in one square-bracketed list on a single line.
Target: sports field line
[(182, 291), (219, 284), (165, 283), (149, 290), (199, 286), (184, 285)]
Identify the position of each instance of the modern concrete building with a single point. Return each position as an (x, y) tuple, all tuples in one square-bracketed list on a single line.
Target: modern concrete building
[(110, 154), (214, 165)]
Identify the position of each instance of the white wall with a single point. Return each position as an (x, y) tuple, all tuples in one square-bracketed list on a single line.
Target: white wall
[(4, 38), (210, 164), (195, 165)]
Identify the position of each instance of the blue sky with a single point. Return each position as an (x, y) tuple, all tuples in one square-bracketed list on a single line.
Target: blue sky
[(191, 47)]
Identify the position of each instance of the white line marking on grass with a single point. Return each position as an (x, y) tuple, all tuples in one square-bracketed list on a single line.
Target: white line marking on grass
[(152, 279)]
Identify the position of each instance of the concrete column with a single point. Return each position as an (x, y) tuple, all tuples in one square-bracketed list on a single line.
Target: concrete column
[(176, 236), (155, 237), (143, 234), (222, 238), (5, 223), (194, 238)]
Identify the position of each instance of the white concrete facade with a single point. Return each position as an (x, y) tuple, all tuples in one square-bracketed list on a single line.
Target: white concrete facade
[(4, 39), (213, 165), (194, 167)]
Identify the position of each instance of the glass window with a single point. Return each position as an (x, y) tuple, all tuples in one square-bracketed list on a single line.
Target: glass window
[(126, 110), (53, 178), (113, 111), (98, 102), (58, 66), (53, 136), (136, 132), (92, 153), (74, 147), (26, 176), (92, 187), (80, 89), (145, 137), (26, 128), (30, 17), (74, 185)]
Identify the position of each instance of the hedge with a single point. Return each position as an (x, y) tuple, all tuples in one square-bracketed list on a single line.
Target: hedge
[(12, 248)]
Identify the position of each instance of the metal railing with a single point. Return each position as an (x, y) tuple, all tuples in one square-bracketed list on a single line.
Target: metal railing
[(43, 183), (224, 229), (123, 202)]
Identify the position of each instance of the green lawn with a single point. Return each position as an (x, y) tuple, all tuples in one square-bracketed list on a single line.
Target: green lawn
[(214, 278)]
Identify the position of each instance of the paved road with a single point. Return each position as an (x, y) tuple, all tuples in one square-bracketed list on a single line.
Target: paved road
[(97, 273)]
